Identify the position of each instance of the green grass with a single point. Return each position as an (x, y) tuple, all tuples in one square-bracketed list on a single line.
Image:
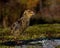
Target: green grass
[(42, 29), (58, 46), (28, 46), (35, 31), (2, 46)]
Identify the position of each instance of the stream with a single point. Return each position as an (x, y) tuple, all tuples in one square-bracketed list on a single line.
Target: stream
[(40, 44)]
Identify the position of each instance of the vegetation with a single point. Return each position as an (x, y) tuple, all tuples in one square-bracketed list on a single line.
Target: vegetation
[(46, 10), (44, 24), (57, 47), (28, 46), (43, 30), (33, 32)]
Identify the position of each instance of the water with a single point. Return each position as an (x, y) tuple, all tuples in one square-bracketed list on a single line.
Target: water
[(45, 44), (50, 43)]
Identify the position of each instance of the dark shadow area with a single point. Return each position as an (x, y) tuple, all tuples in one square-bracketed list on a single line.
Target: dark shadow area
[(41, 21), (26, 42), (4, 1)]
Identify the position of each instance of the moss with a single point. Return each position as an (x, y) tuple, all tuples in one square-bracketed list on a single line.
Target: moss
[(42, 29), (32, 32)]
